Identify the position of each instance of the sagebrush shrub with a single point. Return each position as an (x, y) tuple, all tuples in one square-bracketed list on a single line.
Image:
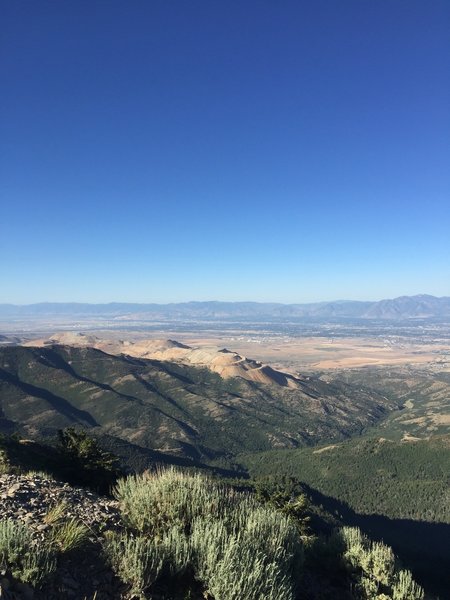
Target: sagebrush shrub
[(258, 561), (405, 588), (154, 502), (375, 568), (382, 563), (178, 550), (20, 555), (137, 560), (238, 549)]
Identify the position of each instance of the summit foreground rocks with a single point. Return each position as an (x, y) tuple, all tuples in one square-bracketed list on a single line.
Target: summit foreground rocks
[(81, 573)]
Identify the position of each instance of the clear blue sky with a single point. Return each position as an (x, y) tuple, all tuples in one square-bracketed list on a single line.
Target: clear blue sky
[(156, 150)]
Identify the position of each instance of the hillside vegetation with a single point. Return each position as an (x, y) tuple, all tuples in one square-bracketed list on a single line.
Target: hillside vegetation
[(401, 480), (186, 411), (186, 536), (391, 480), (74, 457), (423, 395), (396, 491)]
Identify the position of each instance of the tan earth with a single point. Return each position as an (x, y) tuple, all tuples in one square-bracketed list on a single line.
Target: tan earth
[(288, 356), (309, 354), (224, 362)]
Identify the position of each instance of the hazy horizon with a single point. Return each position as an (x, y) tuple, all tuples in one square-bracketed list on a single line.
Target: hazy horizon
[(218, 300)]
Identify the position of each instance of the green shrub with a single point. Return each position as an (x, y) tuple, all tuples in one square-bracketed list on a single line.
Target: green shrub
[(5, 465), (242, 574), (381, 563), (287, 496), (375, 569), (179, 552), (405, 588), (83, 462), (138, 561), (261, 559), (182, 522), (154, 502), (21, 556)]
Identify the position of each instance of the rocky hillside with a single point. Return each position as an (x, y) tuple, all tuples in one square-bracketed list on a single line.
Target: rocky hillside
[(41, 505), (171, 535)]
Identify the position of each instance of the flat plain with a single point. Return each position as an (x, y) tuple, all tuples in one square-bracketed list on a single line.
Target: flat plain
[(321, 353)]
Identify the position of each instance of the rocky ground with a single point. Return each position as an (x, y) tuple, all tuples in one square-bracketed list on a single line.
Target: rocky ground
[(81, 574)]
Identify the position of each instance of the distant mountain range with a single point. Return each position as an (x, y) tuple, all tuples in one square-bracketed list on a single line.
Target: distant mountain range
[(405, 307)]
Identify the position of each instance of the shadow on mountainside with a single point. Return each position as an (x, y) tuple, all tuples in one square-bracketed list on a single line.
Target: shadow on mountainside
[(422, 547), (135, 458), (54, 360), (56, 402)]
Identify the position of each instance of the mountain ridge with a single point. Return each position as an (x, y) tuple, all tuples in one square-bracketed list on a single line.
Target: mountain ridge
[(224, 362), (179, 409), (402, 307)]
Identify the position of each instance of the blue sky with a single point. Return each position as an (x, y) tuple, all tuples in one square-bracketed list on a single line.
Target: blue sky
[(157, 151)]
